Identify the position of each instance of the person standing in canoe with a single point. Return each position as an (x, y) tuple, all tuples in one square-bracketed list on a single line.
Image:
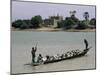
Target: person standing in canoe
[(34, 49), (86, 43)]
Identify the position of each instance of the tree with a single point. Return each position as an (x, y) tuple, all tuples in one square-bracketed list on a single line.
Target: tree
[(72, 13), (69, 23), (36, 21), (76, 20), (73, 17), (17, 23), (61, 24), (82, 25), (24, 25), (27, 23), (93, 21), (86, 16)]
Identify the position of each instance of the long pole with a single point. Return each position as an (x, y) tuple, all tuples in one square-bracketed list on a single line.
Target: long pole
[(36, 44)]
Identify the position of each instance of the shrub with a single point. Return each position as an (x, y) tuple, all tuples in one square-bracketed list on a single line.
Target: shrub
[(93, 21), (82, 25), (17, 23), (36, 20)]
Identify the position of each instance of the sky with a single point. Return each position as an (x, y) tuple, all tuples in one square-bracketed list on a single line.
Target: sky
[(26, 10)]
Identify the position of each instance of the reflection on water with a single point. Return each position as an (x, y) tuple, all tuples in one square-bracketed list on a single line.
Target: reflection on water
[(51, 43)]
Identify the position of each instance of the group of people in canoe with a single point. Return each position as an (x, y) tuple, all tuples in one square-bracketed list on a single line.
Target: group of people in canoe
[(41, 59)]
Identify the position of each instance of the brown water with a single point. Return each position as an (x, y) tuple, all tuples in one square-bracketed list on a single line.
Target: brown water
[(51, 43)]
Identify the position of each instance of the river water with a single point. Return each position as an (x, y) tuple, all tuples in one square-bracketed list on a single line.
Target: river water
[(50, 43)]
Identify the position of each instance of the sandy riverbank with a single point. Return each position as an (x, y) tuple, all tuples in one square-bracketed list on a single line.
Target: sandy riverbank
[(55, 29)]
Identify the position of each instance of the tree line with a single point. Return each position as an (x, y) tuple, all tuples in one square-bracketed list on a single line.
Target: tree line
[(74, 22), (27, 24), (68, 23)]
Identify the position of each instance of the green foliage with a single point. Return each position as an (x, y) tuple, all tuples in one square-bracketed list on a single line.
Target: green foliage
[(76, 20), (27, 24), (82, 25), (73, 17), (69, 23), (17, 23), (21, 24), (26, 21), (36, 20), (61, 24), (93, 21), (24, 26)]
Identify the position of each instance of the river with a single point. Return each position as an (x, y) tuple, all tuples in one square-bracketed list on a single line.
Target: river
[(50, 43)]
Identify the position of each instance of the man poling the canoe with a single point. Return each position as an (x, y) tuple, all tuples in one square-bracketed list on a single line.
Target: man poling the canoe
[(34, 49), (86, 43)]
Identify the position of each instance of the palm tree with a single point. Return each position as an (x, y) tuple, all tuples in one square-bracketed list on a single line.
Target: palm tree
[(86, 16), (72, 13)]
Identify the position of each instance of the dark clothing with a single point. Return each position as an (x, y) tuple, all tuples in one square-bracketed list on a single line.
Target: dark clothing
[(33, 54), (86, 43), (33, 59)]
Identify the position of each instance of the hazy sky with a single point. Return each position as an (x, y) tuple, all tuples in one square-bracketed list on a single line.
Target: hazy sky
[(25, 10)]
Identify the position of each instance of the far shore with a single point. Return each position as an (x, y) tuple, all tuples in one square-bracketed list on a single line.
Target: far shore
[(46, 29)]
